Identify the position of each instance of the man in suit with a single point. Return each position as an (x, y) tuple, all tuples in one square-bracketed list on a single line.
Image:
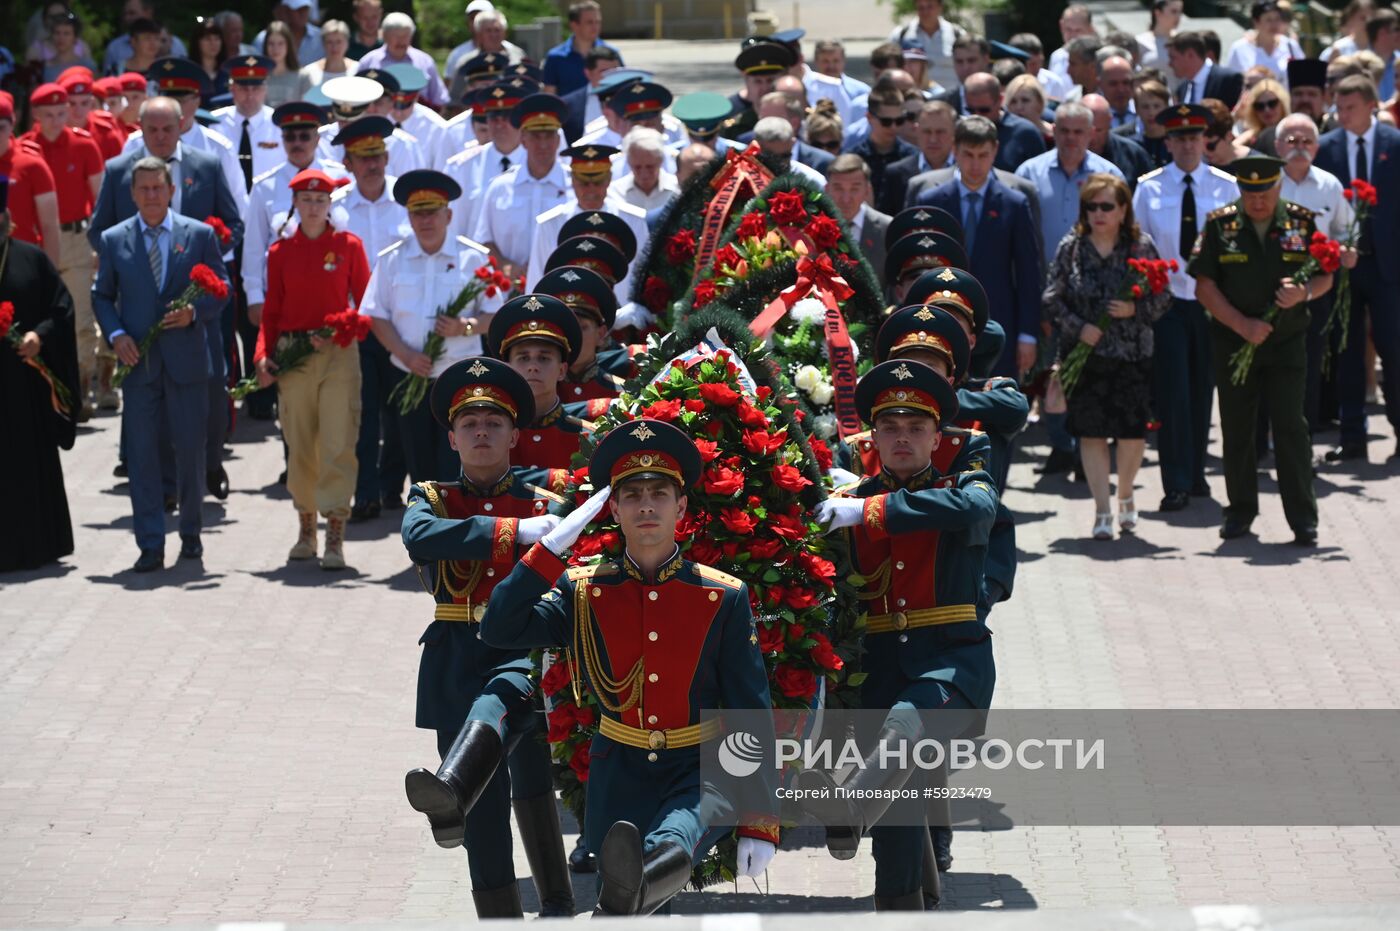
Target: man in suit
[(971, 55), (201, 190), (934, 126), (583, 104), (1000, 237), (1364, 148), (883, 146), (1017, 139), (1131, 158), (926, 181), (848, 185), (143, 265), (1201, 78)]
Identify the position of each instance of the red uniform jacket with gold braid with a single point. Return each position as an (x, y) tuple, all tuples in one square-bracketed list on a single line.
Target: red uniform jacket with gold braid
[(463, 540), (551, 441), (681, 643)]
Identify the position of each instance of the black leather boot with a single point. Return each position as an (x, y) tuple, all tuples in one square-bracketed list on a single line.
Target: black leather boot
[(498, 903), (909, 902), (632, 884), (447, 796), (846, 819), (942, 848), (581, 859), (932, 883), (543, 840)]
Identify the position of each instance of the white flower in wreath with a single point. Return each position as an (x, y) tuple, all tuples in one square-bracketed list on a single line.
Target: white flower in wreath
[(824, 426), (808, 310), (822, 394), (808, 377)]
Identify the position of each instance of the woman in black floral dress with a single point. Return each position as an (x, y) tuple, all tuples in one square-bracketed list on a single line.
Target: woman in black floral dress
[(1112, 399)]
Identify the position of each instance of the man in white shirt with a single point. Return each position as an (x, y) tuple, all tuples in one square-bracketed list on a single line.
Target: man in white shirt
[(648, 185), (248, 123), (474, 169), (370, 92), (936, 35), (412, 117), (827, 79), (1077, 20)]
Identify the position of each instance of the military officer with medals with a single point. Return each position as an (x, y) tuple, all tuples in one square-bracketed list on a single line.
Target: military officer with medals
[(656, 638), (925, 646), (539, 337), (465, 536), (1242, 264)]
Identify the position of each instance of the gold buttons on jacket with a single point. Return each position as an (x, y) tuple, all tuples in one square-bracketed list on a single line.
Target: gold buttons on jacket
[(651, 719), (900, 601), (653, 678), (899, 564), (488, 506), (652, 596), (490, 573), (652, 635), (651, 757), (714, 596), (597, 591)]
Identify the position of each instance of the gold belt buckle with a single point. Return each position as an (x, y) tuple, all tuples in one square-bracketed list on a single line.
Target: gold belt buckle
[(900, 620), (656, 740)]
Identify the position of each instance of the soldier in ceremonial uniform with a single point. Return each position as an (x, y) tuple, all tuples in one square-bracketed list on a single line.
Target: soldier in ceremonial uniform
[(761, 64), (539, 337), (926, 647), (702, 114), (595, 375), (414, 279), (1242, 264), (465, 536), (908, 257), (656, 638), (420, 122)]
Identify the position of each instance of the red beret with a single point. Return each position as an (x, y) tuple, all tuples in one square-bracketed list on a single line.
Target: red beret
[(132, 81), (76, 84), (75, 70), (48, 95), (313, 179)]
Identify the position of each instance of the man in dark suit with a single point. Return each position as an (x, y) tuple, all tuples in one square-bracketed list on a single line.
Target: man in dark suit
[(583, 104), (883, 146), (972, 54), (783, 104), (143, 266), (1000, 236), (1200, 78), (1131, 158), (201, 191), (848, 185), (1364, 148), (1017, 139)]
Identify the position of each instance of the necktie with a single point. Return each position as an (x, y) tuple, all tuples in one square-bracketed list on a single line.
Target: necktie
[(1183, 92), (1361, 174), (970, 221), (505, 163), (245, 157), (1188, 220), (153, 256)]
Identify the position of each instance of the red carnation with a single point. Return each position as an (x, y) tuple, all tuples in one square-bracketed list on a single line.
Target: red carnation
[(823, 655), (770, 638), (680, 248), (663, 410), (794, 682), (721, 481), (561, 722), (763, 443), (579, 762), (788, 478), (765, 549), (751, 416), (555, 679), (656, 294), (709, 450), (752, 226), (704, 293), (221, 230), (788, 527), (824, 232), (822, 453), (7, 318), (719, 395), (787, 208), (823, 570), (208, 281), (728, 257), (737, 521)]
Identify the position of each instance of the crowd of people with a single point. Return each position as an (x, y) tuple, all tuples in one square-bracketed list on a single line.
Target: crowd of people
[(430, 276)]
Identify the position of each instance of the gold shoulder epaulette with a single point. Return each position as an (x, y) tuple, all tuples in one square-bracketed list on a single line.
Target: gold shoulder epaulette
[(1227, 210), (545, 493), (597, 570), (711, 574), (855, 439)]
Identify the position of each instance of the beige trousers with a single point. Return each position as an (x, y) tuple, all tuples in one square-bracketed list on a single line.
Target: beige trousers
[(77, 266), (319, 405)]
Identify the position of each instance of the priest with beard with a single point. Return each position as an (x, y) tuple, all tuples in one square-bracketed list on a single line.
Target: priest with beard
[(38, 530)]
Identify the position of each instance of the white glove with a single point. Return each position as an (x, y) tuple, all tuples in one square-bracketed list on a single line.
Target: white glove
[(754, 856), (558, 540), (841, 512), (633, 314), (840, 477), (533, 529)]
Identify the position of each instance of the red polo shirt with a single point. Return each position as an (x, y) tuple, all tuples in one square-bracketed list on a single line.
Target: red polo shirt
[(72, 158), (308, 279), (109, 134), (29, 177)]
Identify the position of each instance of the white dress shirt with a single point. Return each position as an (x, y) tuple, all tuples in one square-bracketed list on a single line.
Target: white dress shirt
[(1157, 209), (379, 223), (408, 286), (197, 137), (431, 132), (267, 219), (510, 205), (1321, 192), (546, 238), (666, 187), (265, 136), (1198, 85), (474, 169)]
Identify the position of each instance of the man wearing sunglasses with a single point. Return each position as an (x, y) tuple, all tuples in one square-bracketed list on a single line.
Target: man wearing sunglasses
[(1017, 139), (883, 145)]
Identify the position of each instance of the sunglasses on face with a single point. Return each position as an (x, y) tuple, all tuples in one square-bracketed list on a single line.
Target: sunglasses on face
[(888, 121), (1269, 104), (1213, 141), (1298, 140), (1099, 206), (981, 111), (829, 145)]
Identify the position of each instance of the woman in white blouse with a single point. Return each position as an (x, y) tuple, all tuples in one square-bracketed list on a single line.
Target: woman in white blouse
[(1270, 45), (1152, 45), (1351, 32)]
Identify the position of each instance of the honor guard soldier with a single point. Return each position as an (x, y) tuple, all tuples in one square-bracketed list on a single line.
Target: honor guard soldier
[(594, 254), (465, 536), (354, 96), (912, 255), (539, 337), (590, 173), (248, 123), (414, 279), (761, 64), (610, 126), (476, 168), (1171, 205), (925, 647), (596, 375), (505, 221), (1242, 264), (76, 164), (656, 638), (642, 103), (923, 219)]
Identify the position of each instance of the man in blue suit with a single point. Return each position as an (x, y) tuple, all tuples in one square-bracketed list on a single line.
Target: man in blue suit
[(1017, 139), (1362, 147), (144, 264), (583, 104), (1000, 238), (201, 191)]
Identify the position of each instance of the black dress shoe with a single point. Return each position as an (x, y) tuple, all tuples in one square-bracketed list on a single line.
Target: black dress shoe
[(1346, 451), (1174, 501), (942, 848), (191, 547), (360, 513), (1305, 537), (119, 470), (170, 502), (216, 480), (282, 479), (1200, 489), (580, 860), (149, 561), (1059, 460), (1234, 527)]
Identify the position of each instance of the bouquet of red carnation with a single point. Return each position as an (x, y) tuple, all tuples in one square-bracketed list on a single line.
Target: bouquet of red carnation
[(343, 328), (1324, 255), (221, 230), (1145, 276), (489, 280), (1362, 197), (203, 281), (59, 395)]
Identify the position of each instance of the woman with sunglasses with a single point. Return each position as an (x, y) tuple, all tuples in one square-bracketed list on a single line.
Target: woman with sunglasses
[(1113, 396), (1270, 45), (824, 127), (1265, 105)]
